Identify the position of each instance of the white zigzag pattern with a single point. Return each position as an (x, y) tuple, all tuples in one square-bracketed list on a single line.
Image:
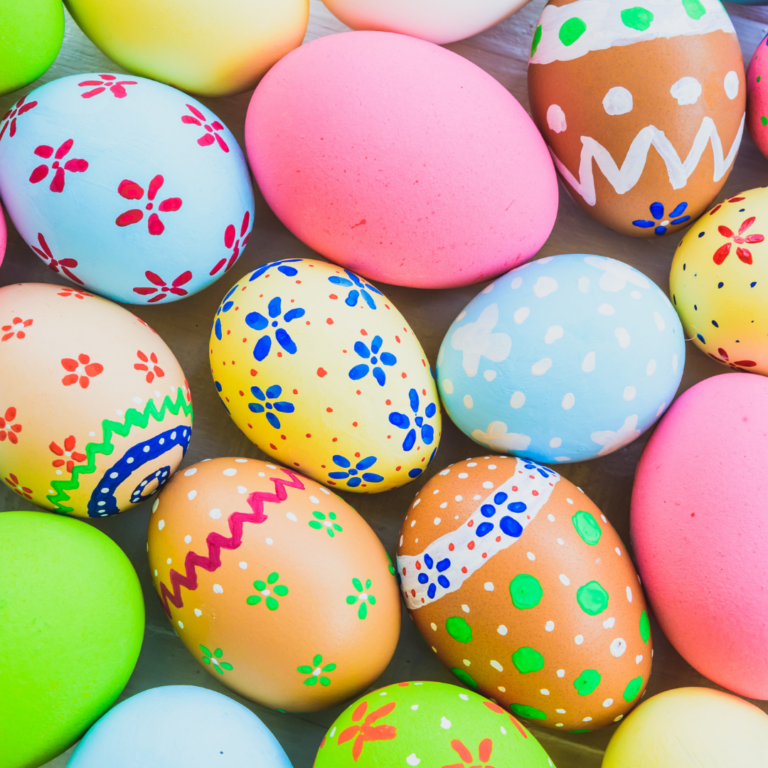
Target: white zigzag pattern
[(625, 178)]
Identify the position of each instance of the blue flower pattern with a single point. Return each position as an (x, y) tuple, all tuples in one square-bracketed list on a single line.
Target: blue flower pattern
[(403, 421), (358, 288), (352, 474), (438, 575), (269, 403), (280, 265), (657, 211), (258, 322), (224, 307), (374, 357)]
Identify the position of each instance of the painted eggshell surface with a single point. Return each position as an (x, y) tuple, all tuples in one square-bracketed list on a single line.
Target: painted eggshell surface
[(565, 359), (321, 371), (526, 593), (401, 160), (95, 413), (643, 106), (179, 725), (757, 97), (431, 724), (126, 186), (274, 583), (434, 20), (706, 579), (214, 49), (719, 281)]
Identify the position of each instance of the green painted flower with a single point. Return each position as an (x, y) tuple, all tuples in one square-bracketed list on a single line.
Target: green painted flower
[(266, 591), (213, 658), (363, 598), (321, 521), (315, 671)]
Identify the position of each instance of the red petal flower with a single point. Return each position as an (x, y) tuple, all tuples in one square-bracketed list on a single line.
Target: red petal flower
[(145, 291), (69, 379), (39, 174), (84, 359), (129, 217), (69, 443), (76, 166), (57, 184), (725, 231), (156, 227), (142, 356), (10, 414), (744, 255), (190, 120), (84, 382), (229, 236), (171, 204), (155, 185), (119, 91), (130, 190), (222, 143), (459, 748), (63, 150), (246, 222), (155, 279), (44, 151), (746, 225), (157, 298), (69, 364), (94, 369), (206, 141), (196, 112), (182, 279), (722, 253)]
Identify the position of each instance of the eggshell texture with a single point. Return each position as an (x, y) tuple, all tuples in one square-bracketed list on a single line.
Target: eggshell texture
[(434, 20), (428, 724), (33, 31), (95, 412), (274, 583), (643, 106), (757, 109), (566, 359), (719, 280), (401, 161), (323, 373), (125, 186), (71, 625), (526, 593), (214, 49), (689, 725), (705, 580), (179, 725)]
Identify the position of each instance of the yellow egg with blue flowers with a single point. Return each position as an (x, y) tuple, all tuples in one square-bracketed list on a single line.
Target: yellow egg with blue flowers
[(319, 369)]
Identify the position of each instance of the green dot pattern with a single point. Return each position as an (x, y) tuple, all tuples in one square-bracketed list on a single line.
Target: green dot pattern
[(637, 18), (764, 120), (465, 678), (633, 689), (645, 627), (572, 30), (529, 713), (459, 630), (536, 40), (527, 660), (592, 598), (586, 526), (526, 591), (587, 682), (694, 9)]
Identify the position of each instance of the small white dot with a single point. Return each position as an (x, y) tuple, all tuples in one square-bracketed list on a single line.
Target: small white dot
[(437, 521), (463, 475), (241, 489), (616, 719), (465, 608), (629, 594), (466, 662), (587, 720), (560, 542), (191, 471), (618, 551), (269, 541), (191, 495), (468, 401), (187, 539), (560, 711), (549, 626), (495, 664), (629, 393), (181, 626), (434, 626), (445, 723), (618, 647), (154, 506), (491, 466), (218, 589), (214, 514), (544, 692), (564, 580), (444, 505), (160, 525), (555, 442), (168, 561), (314, 499), (243, 565), (568, 401), (488, 586), (198, 612), (561, 673), (488, 484), (459, 498), (570, 501), (517, 400), (503, 690), (609, 623), (551, 518), (579, 639), (502, 630), (229, 472), (638, 659), (607, 703), (531, 556)]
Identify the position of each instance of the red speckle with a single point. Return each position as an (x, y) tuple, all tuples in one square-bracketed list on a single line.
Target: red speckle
[(397, 469), (451, 547), (464, 569), (358, 391), (470, 524), (308, 435), (397, 339), (295, 391), (322, 372), (329, 321), (333, 296), (253, 372), (282, 437), (534, 493), (514, 488), (389, 402), (485, 554), (335, 439), (418, 565), (404, 375), (273, 447), (498, 538), (471, 545), (329, 410), (354, 423), (357, 455), (693, 514)]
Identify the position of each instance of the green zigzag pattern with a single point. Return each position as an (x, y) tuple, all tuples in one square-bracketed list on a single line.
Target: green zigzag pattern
[(133, 418)]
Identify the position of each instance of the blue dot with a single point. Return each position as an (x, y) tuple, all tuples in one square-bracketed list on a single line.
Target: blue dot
[(484, 529), (701, 338), (487, 510), (429, 561), (752, 285), (500, 498), (695, 306), (720, 285), (415, 472), (714, 322), (443, 582), (274, 323), (444, 565), (218, 386), (742, 210), (701, 234), (511, 527), (432, 591), (423, 578), (517, 507)]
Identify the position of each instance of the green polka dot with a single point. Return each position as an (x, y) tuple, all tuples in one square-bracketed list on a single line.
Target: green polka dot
[(572, 30), (536, 40), (526, 591), (759, 78), (459, 630), (694, 9), (637, 18), (529, 713), (645, 627), (465, 678), (527, 660), (586, 526), (764, 120), (587, 681), (592, 598), (633, 689)]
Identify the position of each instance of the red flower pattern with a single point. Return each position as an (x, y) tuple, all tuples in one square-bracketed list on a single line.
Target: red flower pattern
[(737, 365), (82, 370), (59, 178), (10, 117), (744, 254), (66, 292), (16, 328), (65, 265), (13, 483), (8, 430), (212, 129), (107, 82), (232, 241), (70, 456), (367, 731), (130, 190), (163, 289), (484, 752), (149, 364)]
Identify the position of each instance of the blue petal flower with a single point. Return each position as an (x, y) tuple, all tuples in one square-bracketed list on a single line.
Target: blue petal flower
[(369, 477), (376, 344), (410, 440), (273, 420), (274, 391), (427, 434), (275, 307), (351, 300), (340, 281), (380, 376), (354, 482), (413, 396), (256, 407), (679, 211), (430, 411), (387, 358), (285, 407), (362, 350), (285, 341), (261, 350), (217, 328), (644, 224), (256, 392), (366, 463), (287, 271), (657, 211), (359, 288), (339, 475), (359, 372), (340, 461), (399, 420), (256, 321), (293, 314)]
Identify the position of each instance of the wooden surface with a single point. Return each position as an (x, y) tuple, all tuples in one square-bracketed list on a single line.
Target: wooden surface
[(502, 51)]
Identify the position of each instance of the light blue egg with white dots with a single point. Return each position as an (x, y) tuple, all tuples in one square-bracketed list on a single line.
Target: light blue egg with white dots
[(563, 359)]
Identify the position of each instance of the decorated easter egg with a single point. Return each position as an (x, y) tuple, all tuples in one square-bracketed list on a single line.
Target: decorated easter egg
[(125, 186), (717, 282), (565, 359), (319, 369), (757, 108), (642, 105), (3, 235), (438, 22), (95, 412), (214, 49), (33, 31), (526, 593), (401, 160), (167, 722), (71, 626), (705, 579), (691, 724), (247, 555), (428, 724)]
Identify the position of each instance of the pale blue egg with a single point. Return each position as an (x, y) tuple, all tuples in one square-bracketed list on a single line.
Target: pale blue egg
[(126, 186), (179, 726), (563, 359)]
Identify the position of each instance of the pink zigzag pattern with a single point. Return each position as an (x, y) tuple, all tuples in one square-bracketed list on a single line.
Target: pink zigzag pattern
[(216, 542)]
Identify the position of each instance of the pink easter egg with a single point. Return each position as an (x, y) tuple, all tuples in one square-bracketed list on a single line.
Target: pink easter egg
[(401, 161), (757, 97), (3, 235), (700, 529)]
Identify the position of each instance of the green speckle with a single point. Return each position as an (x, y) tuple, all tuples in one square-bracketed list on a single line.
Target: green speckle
[(587, 681), (764, 120), (586, 526), (536, 40), (645, 627), (633, 689), (637, 18), (759, 78), (526, 591), (572, 30), (465, 678), (527, 660), (529, 713), (592, 598), (694, 9), (459, 630)]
